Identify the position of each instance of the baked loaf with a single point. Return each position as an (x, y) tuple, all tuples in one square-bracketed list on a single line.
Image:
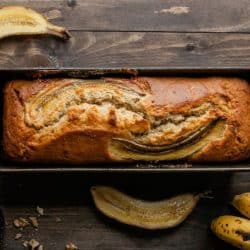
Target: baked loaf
[(106, 120)]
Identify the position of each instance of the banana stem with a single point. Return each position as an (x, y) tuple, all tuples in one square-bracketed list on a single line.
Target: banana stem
[(58, 31)]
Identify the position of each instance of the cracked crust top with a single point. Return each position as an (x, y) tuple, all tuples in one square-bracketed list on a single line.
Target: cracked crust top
[(113, 119)]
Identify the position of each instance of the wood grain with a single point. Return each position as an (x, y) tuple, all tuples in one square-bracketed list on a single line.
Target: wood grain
[(68, 197), (131, 34), (140, 15), (128, 49)]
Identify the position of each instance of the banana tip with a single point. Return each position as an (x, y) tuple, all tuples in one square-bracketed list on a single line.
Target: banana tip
[(66, 35), (93, 189)]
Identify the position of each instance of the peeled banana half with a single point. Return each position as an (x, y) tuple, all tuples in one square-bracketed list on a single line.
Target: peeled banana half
[(232, 229), (144, 214), (242, 203), (17, 20)]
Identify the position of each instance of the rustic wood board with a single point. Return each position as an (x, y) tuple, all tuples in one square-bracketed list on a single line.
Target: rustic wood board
[(68, 197), (150, 50), (140, 34), (141, 15)]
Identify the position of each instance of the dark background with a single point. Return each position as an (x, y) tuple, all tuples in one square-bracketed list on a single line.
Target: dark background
[(212, 37)]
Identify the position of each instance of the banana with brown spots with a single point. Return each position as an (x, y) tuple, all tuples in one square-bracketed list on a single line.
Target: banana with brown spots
[(242, 203), (233, 230)]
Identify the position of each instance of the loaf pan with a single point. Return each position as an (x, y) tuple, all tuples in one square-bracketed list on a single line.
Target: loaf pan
[(10, 167)]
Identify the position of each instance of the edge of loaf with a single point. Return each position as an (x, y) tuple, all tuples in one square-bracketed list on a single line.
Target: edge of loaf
[(78, 121)]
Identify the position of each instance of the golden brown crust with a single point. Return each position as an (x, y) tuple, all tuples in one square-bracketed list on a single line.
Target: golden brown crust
[(75, 121)]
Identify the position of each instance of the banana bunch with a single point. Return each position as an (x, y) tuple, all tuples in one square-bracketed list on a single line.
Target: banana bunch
[(232, 229), (18, 20), (144, 214)]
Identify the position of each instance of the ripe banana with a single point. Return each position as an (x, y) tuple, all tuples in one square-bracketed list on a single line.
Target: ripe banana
[(17, 20), (242, 203), (148, 215), (232, 229)]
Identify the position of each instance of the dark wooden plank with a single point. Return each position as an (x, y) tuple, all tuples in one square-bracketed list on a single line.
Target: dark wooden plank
[(141, 15), (88, 230), (128, 49), (67, 197)]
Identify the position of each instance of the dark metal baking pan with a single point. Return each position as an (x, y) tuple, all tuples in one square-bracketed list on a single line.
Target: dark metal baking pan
[(10, 167), (131, 168), (100, 72)]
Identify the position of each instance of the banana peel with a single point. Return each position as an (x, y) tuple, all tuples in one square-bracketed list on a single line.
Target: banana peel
[(162, 214), (242, 203), (233, 230), (17, 20)]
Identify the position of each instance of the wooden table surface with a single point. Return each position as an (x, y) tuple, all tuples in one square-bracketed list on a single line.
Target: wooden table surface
[(140, 34)]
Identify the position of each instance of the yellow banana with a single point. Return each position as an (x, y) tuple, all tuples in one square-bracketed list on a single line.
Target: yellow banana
[(242, 203), (144, 214), (232, 229), (17, 20)]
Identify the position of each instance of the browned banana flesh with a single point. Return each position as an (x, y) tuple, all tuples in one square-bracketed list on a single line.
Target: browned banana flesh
[(144, 214), (214, 132), (18, 20), (194, 136)]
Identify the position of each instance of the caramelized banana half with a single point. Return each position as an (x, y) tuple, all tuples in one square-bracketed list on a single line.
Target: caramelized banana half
[(144, 214), (17, 20), (127, 149)]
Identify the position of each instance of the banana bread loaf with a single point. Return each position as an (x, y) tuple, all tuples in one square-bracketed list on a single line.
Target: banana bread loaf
[(113, 119)]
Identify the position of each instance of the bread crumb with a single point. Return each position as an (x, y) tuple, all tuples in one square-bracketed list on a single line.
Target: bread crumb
[(18, 236), (25, 243), (20, 223), (71, 246), (40, 210), (33, 244), (34, 222), (40, 247)]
